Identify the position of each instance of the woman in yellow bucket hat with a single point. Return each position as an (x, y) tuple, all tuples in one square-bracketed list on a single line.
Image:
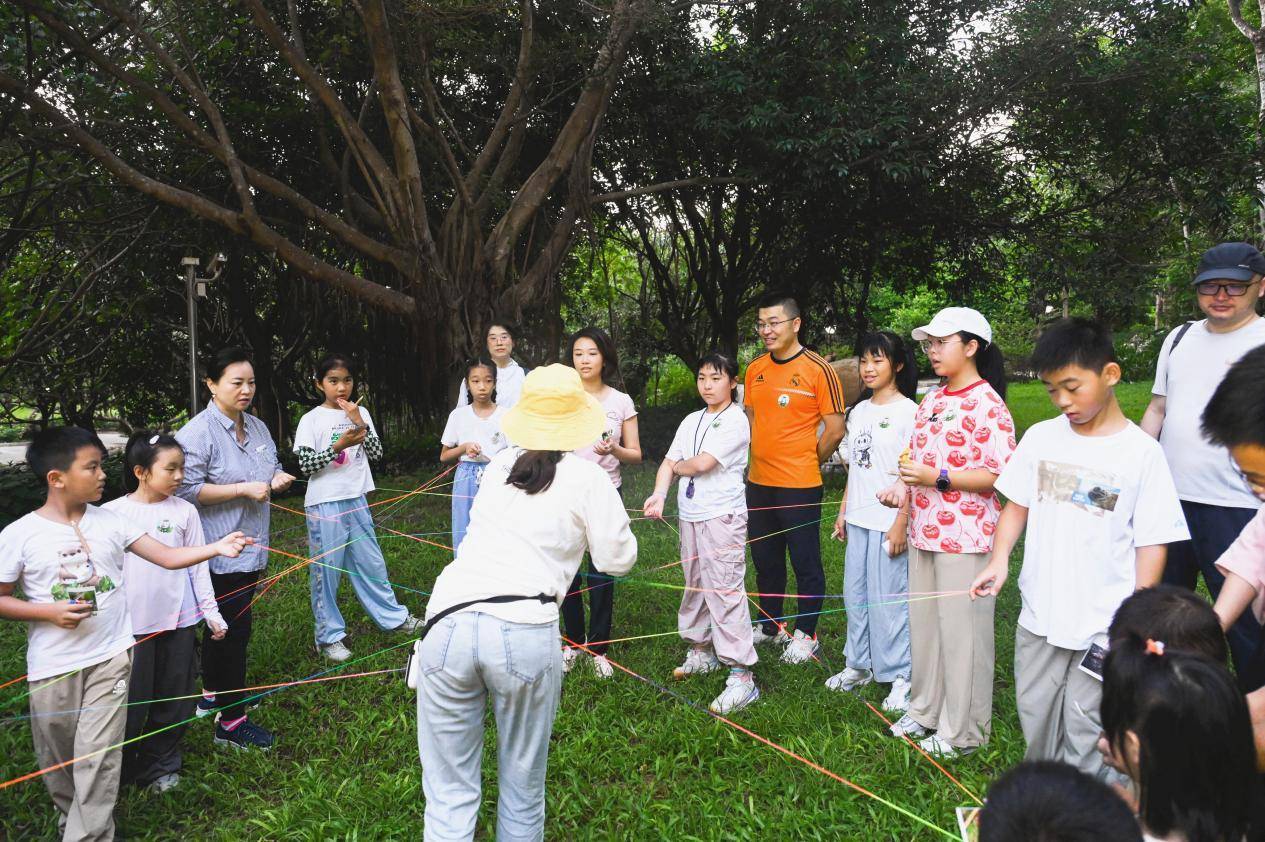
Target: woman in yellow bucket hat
[(492, 619)]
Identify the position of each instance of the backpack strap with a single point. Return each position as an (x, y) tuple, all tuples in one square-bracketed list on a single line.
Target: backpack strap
[(1178, 338)]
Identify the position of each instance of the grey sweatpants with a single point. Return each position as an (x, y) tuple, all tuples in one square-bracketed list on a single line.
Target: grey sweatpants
[(1058, 703)]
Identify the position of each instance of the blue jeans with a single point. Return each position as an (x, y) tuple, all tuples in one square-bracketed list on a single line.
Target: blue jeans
[(466, 659), (1212, 531), (878, 633), (341, 533), (465, 485)]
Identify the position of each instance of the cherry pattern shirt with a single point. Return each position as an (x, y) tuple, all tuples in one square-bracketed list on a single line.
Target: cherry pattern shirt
[(959, 431)]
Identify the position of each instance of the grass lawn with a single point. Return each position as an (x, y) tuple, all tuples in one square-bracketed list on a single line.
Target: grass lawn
[(627, 760)]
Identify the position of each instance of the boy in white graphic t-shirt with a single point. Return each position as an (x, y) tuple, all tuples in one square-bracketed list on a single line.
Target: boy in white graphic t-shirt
[(1092, 496)]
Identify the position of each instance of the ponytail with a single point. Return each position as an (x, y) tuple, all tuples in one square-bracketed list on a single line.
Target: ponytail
[(142, 450), (1196, 772), (989, 362), (534, 470)]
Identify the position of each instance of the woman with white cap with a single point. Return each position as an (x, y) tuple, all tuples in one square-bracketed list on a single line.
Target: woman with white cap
[(963, 436), (492, 619)]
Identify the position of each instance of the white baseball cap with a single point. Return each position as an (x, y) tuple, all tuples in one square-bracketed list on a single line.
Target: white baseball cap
[(953, 320)]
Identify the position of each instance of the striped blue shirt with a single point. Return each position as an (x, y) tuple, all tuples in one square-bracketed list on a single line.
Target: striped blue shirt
[(212, 454)]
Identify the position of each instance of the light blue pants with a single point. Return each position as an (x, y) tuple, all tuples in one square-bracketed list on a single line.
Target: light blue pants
[(464, 486), (875, 588), (466, 659), (344, 530)]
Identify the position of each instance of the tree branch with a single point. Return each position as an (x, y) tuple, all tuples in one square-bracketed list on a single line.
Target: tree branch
[(666, 186)]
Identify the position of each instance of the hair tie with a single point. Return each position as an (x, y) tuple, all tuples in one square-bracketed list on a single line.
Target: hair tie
[(1154, 647), (153, 440)]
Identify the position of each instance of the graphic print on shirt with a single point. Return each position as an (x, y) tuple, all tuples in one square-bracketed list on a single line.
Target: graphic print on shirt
[(861, 447), (77, 575), (344, 456), (1094, 492)]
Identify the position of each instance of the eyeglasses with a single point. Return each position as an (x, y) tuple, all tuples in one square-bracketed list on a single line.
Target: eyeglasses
[(1232, 288), (771, 324), (938, 344)]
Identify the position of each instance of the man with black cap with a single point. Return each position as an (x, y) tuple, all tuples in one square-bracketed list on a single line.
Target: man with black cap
[(1193, 360)]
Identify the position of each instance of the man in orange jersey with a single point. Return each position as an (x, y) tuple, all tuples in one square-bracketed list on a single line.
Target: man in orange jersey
[(790, 392)]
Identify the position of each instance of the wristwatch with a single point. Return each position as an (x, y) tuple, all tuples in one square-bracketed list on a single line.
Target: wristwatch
[(942, 481)]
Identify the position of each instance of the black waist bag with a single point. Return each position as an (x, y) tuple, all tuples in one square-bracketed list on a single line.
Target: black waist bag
[(410, 669)]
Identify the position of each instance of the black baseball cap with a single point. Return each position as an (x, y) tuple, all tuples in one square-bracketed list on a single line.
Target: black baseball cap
[(1230, 261)]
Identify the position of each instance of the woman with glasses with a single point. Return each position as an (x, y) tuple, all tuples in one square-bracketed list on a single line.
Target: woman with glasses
[(1192, 363), (963, 437)]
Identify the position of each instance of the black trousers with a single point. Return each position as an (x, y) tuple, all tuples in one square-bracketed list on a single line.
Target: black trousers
[(797, 532), (224, 661), (163, 666), (1212, 531), (601, 606)]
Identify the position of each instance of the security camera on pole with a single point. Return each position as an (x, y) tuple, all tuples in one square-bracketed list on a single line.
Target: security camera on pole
[(194, 289)]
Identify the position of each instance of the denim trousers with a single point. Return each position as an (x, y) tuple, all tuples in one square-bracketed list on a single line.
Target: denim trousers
[(875, 588), (467, 660), (341, 533)]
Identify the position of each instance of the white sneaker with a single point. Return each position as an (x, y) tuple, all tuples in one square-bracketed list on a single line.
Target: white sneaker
[(163, 783), (759, 636), (801, 648), (937, 747), (897, 700), (410, 624), (569, 656), (740, 691), (335, 652), (850, 680), (602, 667), (907, 726), (697, 662)]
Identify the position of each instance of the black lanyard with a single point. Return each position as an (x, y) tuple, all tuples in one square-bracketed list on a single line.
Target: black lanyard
[(698, 443)]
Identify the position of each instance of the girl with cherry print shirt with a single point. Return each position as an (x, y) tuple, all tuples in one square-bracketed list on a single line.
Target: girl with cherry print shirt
[(963, 436), (959, 431)]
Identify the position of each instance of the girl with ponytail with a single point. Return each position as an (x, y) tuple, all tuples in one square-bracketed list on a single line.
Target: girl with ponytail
[(166, 607)]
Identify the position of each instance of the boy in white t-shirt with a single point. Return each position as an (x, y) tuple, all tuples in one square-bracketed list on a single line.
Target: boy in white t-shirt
[(709, 453), (67, 558), (1092, 495)]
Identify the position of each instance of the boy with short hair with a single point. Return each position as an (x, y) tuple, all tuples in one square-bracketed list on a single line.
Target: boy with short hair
[(1094, 499), (67, 558)]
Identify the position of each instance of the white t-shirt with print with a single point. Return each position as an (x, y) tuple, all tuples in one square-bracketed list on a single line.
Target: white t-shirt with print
[(1186, 379), (157, 598), (1092, 501), (43, 557), (348, 476), (726, 435), (876, 435), (465, 426)]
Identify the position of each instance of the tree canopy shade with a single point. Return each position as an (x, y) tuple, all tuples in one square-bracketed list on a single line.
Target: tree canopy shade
[(401, 153)]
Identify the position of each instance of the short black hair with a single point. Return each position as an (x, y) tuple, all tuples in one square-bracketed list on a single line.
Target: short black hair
[(1080, 342), (54, 449), (723, 364), (223, 358), (508, 326), (779, 298), (1236, 413), (1044, 801), (1181, 618)]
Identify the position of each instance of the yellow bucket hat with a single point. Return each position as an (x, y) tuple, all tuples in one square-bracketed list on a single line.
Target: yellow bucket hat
[(554, 412)]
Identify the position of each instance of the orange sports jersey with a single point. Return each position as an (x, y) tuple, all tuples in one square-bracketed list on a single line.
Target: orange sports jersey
[(788, 399)]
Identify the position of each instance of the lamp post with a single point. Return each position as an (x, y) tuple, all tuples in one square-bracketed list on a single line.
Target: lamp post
[(195, 288)]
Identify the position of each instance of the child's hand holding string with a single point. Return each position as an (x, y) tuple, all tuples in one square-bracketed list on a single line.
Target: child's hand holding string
[(653, 507), (232, 544), (218, 629)]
